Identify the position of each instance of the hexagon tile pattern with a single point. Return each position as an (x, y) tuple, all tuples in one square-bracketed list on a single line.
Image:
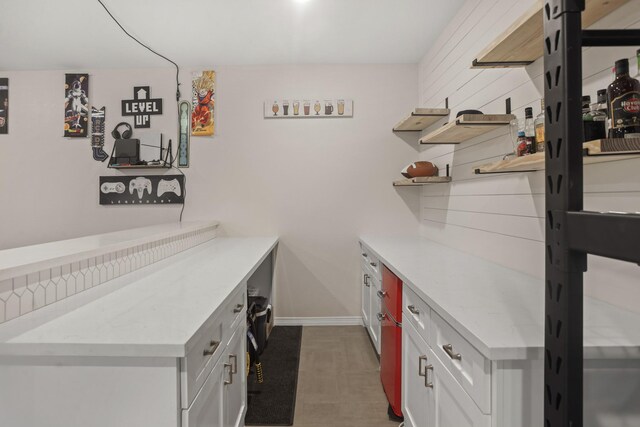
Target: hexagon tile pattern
[(23, 294)]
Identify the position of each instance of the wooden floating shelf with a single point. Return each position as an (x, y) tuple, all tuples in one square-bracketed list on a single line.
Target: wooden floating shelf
[(599, 151), (412, 182), (421, 119), (466, 127), (522, 43)]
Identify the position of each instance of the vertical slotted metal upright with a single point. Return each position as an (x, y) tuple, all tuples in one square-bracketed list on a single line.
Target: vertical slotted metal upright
[(572, 233)]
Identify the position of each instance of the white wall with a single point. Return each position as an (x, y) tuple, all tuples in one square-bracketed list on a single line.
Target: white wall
[(501, 217), (316, 183)]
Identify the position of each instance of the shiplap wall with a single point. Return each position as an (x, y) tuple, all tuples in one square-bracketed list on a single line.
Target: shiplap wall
[(501, 217)]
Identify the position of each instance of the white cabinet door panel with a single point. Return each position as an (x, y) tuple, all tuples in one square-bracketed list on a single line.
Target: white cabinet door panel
[(417, 397), (207, 408), (235, 376), (365, 285)]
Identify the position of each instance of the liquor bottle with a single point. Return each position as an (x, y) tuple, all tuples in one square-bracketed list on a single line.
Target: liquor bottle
[(638, 62), (539, 127), (623, 98), (594, 123), (603, 108), (586, 102), (529, 130), (522, 144)]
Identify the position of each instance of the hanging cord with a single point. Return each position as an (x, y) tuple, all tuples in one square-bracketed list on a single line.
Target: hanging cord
[(177, 93), (149, 49)]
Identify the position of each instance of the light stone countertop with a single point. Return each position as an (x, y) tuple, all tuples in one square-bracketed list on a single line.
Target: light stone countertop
[(498, 310), (155, 315), (28, 259)]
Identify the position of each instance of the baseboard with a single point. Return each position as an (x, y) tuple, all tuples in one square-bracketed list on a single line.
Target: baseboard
[(319, 321)]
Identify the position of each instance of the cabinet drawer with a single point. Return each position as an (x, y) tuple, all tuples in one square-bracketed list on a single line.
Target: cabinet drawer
[(233, 309), (417, 312), (450, 404), (206, 350), (466, 364), (371, 261)]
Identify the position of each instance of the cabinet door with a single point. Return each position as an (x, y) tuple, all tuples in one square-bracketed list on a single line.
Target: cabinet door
[(235, 378), (207, 407), (417, 396), (452, 405), (365, 279), (375, 310)]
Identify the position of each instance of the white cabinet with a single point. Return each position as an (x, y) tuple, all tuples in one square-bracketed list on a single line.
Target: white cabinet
[(221, 402), (416, 396), (431, 395), (235, 384), (365, 286), (375, 313), (207, 407), (371, 304)]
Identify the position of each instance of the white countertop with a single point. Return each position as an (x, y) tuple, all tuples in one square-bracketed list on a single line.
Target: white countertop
[(498, 310), (155, 315), (27, 259)]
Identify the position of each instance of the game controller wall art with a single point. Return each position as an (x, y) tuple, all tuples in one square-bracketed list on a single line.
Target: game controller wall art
[(137, 190)]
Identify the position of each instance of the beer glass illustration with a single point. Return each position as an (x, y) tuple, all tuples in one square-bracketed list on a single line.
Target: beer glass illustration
[(328, 107), (275, 108), (317, 107), (285, 108), (307, 106), (296, 108), (340, 107)]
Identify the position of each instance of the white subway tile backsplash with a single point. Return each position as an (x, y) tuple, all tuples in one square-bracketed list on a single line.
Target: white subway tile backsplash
[(23, 294)]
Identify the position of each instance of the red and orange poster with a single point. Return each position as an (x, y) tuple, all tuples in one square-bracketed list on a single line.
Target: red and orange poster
[(203, 92)]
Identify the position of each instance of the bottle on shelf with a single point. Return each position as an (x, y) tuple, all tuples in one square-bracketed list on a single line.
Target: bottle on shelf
[(529, 130), (623, 98), (602, 101), (595, 124), (586, 102), (638, 63), (539, 128)]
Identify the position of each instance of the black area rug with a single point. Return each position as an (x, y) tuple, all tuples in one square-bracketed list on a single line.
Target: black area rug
[(273, 402)]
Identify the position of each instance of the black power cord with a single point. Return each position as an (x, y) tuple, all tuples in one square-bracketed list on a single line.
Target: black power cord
[(149, 49)]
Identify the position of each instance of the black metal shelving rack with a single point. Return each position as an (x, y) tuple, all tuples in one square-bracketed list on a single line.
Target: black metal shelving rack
[(571, 232)]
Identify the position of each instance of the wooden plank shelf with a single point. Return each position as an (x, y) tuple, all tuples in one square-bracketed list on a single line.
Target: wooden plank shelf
[(599, 151), (424, 180), (522, 43), (466, 127), (421, 119)]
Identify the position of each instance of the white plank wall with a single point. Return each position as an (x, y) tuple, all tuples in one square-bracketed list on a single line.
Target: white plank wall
[(501, 217)]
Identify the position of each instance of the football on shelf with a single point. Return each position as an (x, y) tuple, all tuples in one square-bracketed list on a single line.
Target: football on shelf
[(417, 169)]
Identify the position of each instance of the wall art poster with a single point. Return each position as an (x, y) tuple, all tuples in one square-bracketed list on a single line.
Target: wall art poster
[(76, 105), (4, 106), (184, 131), (203, 93), (97, 134), (307, 108), (142, 107)]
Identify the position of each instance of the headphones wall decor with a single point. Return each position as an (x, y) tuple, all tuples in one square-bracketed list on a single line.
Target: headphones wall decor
[(128, 132)]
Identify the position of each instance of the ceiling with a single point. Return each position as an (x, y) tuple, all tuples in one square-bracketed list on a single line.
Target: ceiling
[(72, 34)]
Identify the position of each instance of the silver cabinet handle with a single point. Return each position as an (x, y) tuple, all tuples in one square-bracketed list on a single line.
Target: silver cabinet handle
[(230, 380), (448, 348), (373, 264), (234, 369), (365, 255), (238, 308), (381, 316), (381, 294), (421, 372), (213, 345), (366, 280), (413, 309), (427, 384)]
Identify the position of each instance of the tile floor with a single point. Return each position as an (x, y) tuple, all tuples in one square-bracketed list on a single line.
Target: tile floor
[(339, 380)]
